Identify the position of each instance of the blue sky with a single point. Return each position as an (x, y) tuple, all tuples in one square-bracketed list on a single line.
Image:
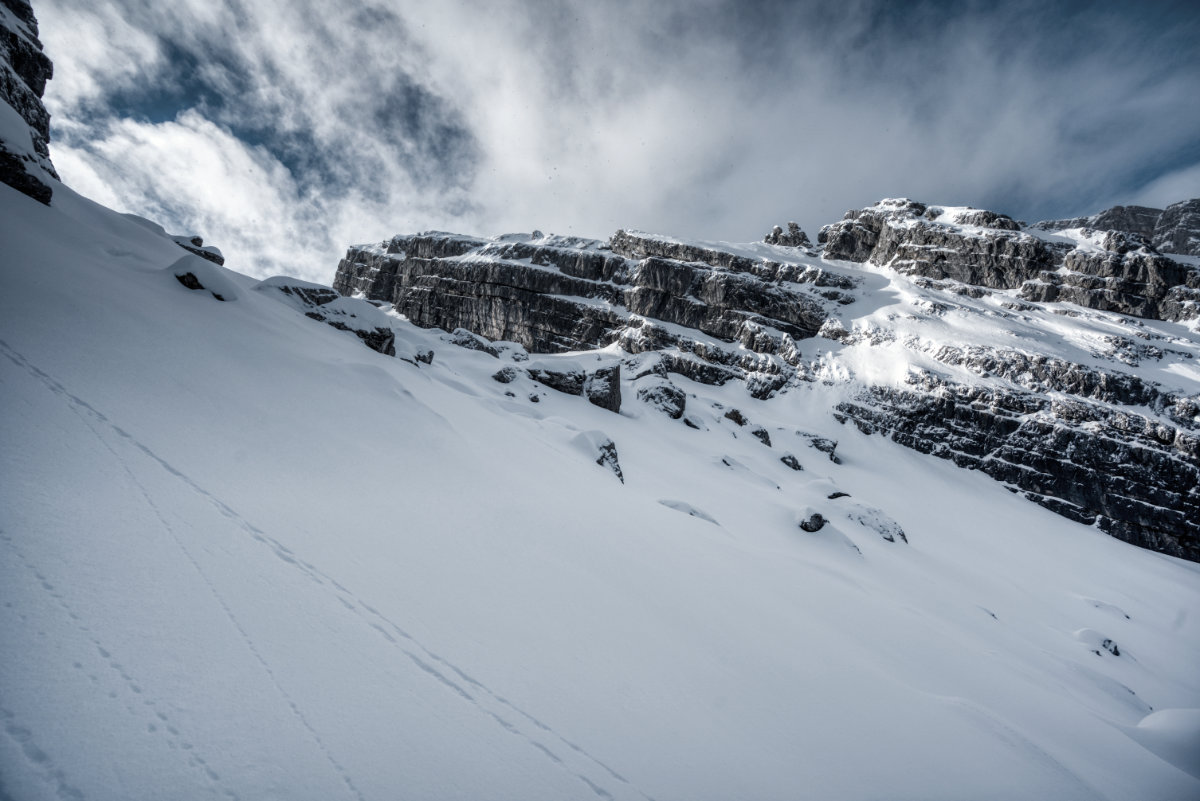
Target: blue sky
[(284, 130)]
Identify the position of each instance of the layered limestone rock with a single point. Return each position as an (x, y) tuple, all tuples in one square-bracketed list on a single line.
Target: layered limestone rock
[(723, 314), (1131, 476), (1109, 271), (1139, 282), (1060, 410), (974, 247), (24, 122)]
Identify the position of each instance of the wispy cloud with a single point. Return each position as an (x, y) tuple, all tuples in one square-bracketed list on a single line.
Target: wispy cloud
[(283, 131)]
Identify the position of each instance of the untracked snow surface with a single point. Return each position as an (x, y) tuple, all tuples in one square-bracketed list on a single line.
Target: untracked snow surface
[(242, 556)]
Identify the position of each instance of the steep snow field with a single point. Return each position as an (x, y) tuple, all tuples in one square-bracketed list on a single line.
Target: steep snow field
[(242, 556)]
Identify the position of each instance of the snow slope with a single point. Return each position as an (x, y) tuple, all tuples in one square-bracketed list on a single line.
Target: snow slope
[(243, 556)]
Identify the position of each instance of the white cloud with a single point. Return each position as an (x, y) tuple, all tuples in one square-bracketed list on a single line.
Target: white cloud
[(322, 123)]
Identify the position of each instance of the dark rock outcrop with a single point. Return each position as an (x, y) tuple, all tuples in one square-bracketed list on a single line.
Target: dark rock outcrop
[(602, 387), (1130, 475), (24, 70)]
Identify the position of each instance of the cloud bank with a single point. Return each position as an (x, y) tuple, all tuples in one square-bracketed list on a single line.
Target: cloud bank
[(284, 130)]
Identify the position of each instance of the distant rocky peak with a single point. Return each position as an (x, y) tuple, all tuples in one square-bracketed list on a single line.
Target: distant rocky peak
[(1175, 229)]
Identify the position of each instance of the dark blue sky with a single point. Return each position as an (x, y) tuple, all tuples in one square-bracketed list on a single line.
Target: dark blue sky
[(283, 130)]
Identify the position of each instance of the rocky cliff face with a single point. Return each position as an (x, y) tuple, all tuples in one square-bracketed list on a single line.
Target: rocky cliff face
[(24, 121), (722, 314), (1062, 364)]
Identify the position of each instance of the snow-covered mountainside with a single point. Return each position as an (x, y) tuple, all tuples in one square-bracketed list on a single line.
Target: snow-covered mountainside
[(951, 330), (259, 539)]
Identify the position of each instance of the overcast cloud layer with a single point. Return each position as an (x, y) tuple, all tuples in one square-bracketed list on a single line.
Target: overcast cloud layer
[(284, 130)]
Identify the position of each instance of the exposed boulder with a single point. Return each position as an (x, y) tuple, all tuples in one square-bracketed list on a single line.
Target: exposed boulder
[(813, 522), (568, 380), (603, 388), (506, 375), (664, 396), (791, 461)]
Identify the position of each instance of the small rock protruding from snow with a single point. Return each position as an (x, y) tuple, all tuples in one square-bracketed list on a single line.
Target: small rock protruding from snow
[(876, 520), (823, 444), (506, 375), (1096, 642), (602, 450), (196, 273), (791, 461), (736, 416), (195, 245), (814, 522)]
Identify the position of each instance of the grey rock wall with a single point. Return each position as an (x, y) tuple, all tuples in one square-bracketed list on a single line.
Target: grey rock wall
[(24, 70)]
